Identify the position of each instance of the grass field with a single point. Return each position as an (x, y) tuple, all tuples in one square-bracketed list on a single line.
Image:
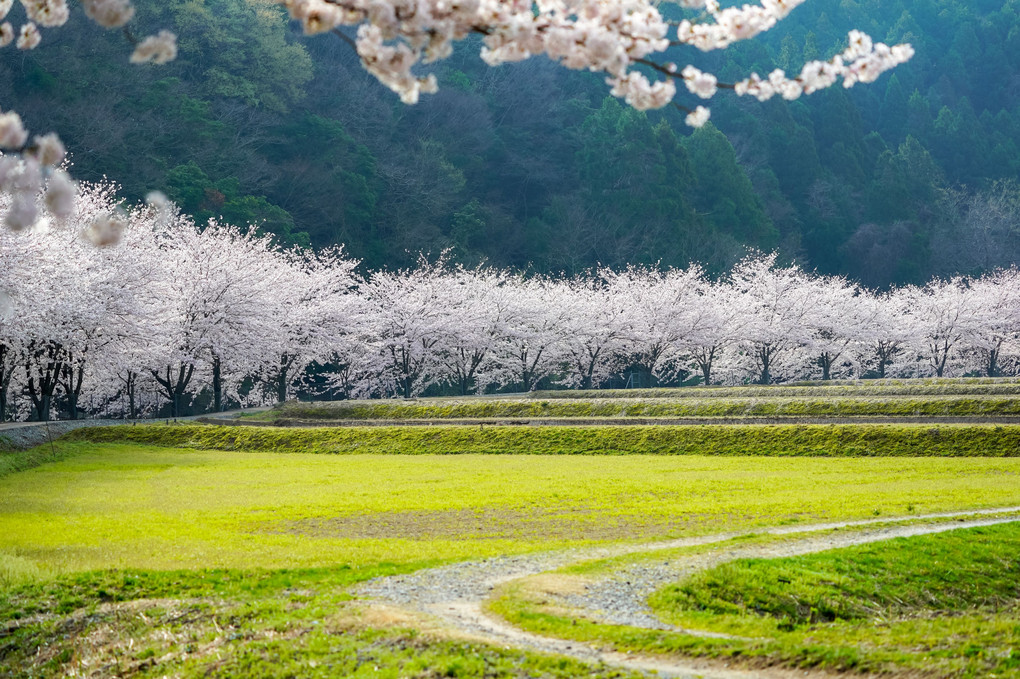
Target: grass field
[(943, 605), (189, 550), (120, 505)]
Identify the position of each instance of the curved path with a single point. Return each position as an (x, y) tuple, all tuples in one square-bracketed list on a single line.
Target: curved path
[(455, 595)]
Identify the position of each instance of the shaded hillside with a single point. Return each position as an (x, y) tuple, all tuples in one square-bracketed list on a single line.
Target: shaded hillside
[(532, 165)]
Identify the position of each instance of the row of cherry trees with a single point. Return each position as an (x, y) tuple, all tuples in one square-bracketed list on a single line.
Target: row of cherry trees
[(173, 312)]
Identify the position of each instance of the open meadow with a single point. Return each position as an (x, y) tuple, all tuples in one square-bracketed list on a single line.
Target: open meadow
[(240, 549)]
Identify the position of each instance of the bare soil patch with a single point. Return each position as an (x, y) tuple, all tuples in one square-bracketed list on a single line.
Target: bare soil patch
[(537, 523)]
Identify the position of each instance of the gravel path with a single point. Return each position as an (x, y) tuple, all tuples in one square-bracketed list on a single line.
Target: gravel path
[(456, 594)]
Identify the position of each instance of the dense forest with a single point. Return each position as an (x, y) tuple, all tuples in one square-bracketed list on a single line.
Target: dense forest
[(534, 167)]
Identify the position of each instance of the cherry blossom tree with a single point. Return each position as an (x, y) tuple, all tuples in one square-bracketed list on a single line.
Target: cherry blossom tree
[(718, 324), (837, 319), (942, 314), (776, 302), (627, 40), (475, 304), (883, 329), (596, 330), (315, 309), (530, 347), (665, 310), (406, 324), (221, 303), (996, 329)]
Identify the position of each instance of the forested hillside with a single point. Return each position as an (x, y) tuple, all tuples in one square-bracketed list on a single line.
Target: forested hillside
[(533, 166)]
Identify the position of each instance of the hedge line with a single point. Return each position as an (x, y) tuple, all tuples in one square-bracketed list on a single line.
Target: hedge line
[(855, 440), (790, 407)]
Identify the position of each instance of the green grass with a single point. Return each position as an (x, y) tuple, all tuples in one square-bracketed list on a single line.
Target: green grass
[(203, 551), (779, 406), (837, 388), (940, 605), (234, 623), (846, 440), (944, 574), (12, 460), (134, 506)]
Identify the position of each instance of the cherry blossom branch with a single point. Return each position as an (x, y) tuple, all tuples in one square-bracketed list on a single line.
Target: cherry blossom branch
[(24, 166), (608, 36)]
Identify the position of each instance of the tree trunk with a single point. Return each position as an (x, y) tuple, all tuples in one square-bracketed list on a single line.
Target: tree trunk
[(993, 360), (73, 377), (46, 365), (766, 358), (281, 380), (6, 372), (217, 385), (826, 362), (130, 386), (174, 388)]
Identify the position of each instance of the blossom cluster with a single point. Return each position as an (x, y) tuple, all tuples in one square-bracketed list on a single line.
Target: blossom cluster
[(30, 173), (175, 312), (864, 61), (619, 38)]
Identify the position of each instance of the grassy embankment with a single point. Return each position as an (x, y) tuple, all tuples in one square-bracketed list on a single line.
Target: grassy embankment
[(757, 407), (844, 440), (941, 605), (833, 389)]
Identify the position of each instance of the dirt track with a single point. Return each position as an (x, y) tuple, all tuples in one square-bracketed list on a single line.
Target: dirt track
[(455, 596)]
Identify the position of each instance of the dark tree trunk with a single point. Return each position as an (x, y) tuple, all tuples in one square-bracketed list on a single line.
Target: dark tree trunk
[(6, 373), (992, 367), (44, 367), (282, 378), (73, 376), (130, 386), (765, 354), (175, 386), (217, 385), (825, 360), (705, 360)]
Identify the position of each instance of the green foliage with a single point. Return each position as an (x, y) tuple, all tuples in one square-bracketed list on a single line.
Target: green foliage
[(204, 199), (724, 191), (853, 440)]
